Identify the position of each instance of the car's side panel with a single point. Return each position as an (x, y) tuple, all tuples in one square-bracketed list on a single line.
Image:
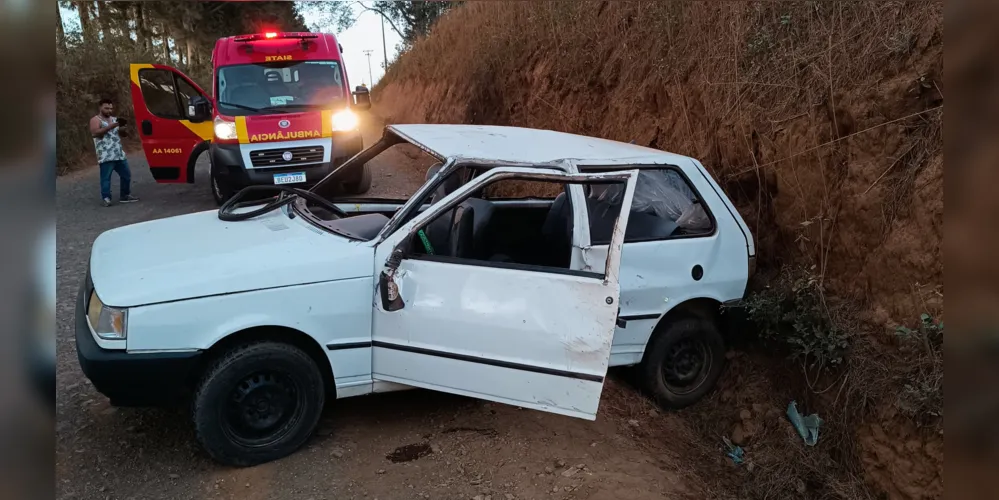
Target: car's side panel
[(659, 275), (335, 314), (723, 199)]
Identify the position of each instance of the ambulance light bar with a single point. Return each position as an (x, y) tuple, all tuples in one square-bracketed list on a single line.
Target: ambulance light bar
[(271, 35)]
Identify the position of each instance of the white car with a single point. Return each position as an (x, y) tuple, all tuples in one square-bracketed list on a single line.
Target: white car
[(257, 315)]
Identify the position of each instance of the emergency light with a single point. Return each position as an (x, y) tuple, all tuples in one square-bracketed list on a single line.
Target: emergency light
[(272, 35)]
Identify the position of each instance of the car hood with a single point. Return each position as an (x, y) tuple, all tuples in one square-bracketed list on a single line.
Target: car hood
[(198, 255)]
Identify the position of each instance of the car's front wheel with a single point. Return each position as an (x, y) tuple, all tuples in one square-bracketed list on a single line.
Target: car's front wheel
[(362, 184), (682, 362), (257, 403), (221, 190)]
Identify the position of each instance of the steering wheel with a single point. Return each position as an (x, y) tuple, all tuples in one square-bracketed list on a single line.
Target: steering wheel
[(283, 197), (460, 243)]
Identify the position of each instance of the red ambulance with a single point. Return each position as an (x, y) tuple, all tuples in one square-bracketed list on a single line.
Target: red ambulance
[(280, 112)]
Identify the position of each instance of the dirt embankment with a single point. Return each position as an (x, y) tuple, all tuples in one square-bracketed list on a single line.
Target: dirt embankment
[(822, 121)]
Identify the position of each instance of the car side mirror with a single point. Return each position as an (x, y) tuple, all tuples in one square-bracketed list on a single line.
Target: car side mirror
[(388, 289), (199, 109), (362, 98)]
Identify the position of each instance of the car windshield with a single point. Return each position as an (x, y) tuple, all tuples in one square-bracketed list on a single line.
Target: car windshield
[(283, 87)]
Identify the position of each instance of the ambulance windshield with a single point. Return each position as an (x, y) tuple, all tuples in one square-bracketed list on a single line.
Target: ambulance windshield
[(282, 87)]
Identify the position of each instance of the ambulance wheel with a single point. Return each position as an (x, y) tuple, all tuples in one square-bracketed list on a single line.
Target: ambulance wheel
[(362, 185), (220, 189), (258, 402)]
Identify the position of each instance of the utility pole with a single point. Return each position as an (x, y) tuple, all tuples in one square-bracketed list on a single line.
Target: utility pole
[(371, 80), (384, 50)]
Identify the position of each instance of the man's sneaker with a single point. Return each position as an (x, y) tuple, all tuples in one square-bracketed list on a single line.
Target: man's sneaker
[(128, 199), (106, 202)]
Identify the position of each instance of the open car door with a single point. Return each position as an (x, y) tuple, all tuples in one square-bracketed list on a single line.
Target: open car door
[(527, 335), (172, 135)]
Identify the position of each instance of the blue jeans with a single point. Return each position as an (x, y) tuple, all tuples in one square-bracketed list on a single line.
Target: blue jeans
[(124, 176)]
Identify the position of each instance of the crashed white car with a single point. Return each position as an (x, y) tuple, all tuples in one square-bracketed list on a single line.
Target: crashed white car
[(259, 314)]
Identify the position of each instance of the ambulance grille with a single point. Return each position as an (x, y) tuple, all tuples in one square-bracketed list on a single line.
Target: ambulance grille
[(275, 157)]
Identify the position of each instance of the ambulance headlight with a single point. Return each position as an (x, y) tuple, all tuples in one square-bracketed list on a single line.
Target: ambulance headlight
[(225, 130), (344, 121)]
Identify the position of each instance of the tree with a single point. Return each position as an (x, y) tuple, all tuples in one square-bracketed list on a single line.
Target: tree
[(60, 32), (415, 17), (338, 15), (86, 26), (409, 19), (141, 32), (99, 20)]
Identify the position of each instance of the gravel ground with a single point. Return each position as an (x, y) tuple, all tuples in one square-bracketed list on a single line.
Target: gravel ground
[(414, 444)]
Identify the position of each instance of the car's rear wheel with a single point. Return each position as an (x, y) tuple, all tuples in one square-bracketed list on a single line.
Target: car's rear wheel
[(257, 403), (682, 362), (362, 184)]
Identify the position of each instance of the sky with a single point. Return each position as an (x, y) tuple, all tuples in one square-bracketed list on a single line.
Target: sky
[(365, 34)]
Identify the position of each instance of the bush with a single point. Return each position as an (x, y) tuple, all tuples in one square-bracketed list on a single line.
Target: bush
[(793, 313)]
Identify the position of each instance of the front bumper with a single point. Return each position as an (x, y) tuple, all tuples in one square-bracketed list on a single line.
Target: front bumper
[(133, 379), (231, 169)]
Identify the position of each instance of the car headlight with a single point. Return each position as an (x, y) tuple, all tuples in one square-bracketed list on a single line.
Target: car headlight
[(225, 130), (110, 323), (344, 121)]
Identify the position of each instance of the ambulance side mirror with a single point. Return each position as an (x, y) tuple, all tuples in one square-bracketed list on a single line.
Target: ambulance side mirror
[(362, 98), (199, 109)]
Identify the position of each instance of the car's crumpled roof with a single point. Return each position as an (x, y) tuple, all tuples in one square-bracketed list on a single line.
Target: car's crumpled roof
[(522, 145)]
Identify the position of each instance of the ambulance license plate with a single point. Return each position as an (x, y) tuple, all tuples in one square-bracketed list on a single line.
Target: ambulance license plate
[(289, 178)]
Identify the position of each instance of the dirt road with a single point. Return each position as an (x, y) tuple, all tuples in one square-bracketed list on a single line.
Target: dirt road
[(415, 444)]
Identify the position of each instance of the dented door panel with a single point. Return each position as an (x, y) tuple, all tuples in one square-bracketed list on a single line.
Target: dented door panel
[(531, 338), (511, 336)]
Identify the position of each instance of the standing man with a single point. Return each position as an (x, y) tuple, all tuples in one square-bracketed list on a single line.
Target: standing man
[(110, 154)]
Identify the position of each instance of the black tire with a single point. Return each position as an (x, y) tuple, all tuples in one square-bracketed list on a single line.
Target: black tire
[(221, 190), (683, 362), (257, 403), (361, 185)]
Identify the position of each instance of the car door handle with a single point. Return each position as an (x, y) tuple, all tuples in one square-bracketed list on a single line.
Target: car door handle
[(147, 127)]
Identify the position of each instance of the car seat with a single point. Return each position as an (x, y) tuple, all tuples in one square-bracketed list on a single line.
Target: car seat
[(439, 230), (557, 232)]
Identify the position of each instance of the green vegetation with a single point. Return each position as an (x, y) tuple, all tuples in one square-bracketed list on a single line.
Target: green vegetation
[(793, 312)]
